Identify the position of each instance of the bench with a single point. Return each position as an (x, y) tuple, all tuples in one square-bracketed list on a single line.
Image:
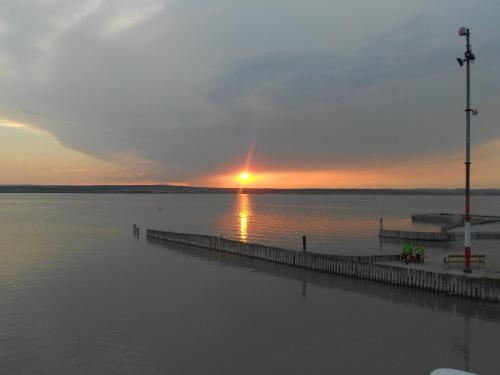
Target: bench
[(459, 259), (412, 258)]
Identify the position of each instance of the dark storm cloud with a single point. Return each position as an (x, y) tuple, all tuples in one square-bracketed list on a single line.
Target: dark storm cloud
[(190, 85)]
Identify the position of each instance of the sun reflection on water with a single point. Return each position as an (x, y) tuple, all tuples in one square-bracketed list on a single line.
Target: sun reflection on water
[(244, 213)]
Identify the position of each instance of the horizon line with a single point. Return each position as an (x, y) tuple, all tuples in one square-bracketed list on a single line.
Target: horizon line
[(240, 187)]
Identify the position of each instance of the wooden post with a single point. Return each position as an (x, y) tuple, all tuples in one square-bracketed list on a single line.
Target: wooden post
[(381, 224), (304, 244)]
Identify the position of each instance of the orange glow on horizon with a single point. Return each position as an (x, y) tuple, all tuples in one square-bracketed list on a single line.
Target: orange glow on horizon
[(439, 171), (402, 177), (293, 179), (32, 156), (415, 172)]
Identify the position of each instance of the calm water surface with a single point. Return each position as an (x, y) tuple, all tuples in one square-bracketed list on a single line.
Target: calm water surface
[(80, 295)]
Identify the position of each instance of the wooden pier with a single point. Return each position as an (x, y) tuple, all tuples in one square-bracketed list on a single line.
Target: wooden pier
[(415, 236), (435, 236), (447, 222), (362, 267)]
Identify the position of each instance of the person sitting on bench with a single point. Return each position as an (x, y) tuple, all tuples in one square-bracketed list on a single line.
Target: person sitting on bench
[(420, 253), (407, 253)]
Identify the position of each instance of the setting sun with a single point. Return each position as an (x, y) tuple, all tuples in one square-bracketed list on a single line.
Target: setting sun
[(244, 176)]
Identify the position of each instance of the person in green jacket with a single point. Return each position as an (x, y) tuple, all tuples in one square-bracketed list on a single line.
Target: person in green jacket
[(420, 253), (407, 253)]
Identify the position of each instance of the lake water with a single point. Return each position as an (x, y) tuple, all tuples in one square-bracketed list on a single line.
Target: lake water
[(79, 294)]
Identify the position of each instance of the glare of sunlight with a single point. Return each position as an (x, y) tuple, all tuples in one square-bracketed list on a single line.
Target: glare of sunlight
[(244, 177), (244, 214)]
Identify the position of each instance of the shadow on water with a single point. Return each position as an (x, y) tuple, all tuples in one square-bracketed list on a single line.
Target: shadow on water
[(487, 311)]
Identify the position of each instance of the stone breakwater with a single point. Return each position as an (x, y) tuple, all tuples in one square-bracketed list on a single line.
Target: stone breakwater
[(435, 236), (362, 267)]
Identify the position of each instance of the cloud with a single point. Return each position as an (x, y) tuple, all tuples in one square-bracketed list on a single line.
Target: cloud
[(188, 86), (5, 123), (132, 14)]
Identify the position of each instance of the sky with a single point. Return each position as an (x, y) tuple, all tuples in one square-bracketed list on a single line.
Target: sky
[(318, 93)]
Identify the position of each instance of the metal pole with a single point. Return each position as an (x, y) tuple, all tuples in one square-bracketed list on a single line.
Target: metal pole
[(467, 244)]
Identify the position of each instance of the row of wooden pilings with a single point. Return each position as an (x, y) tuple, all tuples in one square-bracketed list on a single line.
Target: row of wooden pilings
[(412, 235), (363, 267), (433, 236), (415, 236)]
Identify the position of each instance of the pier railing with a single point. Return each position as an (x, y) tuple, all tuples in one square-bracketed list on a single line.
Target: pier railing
[(435, 236), (363, 267), (415, 236)]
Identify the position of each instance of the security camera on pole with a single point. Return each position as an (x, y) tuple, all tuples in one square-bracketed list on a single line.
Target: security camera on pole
[(468, 59)]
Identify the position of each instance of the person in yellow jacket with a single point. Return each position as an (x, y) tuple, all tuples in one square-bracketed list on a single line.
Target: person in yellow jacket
[(420, 253)]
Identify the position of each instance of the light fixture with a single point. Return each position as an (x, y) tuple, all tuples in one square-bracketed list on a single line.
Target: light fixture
[(463, 31), (470, 56)]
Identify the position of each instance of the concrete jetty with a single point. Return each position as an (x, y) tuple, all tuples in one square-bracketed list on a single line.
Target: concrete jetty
[(447, 222), (362, 267)]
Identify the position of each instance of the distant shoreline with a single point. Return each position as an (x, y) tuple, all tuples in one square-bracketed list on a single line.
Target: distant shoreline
[(171, 189)]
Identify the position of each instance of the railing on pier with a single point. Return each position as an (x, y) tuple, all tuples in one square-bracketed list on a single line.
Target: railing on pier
[(415, 236)]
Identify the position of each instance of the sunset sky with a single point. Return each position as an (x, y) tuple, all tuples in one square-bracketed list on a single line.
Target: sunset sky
[(319, 93)]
